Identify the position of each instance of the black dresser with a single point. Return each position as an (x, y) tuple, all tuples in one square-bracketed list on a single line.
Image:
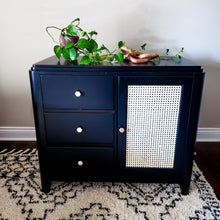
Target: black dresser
[(116, 122)]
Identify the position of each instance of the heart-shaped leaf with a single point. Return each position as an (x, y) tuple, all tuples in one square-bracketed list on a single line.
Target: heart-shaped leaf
[(119, 57), (83, 33), (77, 19), (58, 51), (143, 46), (66, 54), (85, 60), (72, 30), (72, 54), (103, 47), (83, 43), (93, 46), (91, 33), (69, 44), (121, 44)]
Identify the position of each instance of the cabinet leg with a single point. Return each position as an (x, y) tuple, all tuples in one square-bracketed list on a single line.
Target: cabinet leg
[(45, 186), (185, 188)]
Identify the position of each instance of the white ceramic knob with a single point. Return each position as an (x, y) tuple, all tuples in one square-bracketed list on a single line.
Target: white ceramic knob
[(121, 130), (80, 163), (79, 129), (78, 93)]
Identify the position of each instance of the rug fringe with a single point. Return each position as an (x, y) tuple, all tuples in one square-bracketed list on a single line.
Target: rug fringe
[(33, 151), (27, 150), (10, 152), (3, 151), (16, 151)]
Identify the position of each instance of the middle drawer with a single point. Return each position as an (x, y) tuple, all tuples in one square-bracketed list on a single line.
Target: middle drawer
[(81, 128)]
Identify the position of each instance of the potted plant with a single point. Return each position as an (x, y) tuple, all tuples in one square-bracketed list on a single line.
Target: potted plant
[(74, 41)]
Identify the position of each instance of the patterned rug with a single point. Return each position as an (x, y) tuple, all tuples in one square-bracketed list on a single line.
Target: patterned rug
[(21, 197)]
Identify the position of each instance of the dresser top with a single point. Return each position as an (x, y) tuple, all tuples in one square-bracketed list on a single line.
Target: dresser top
[(166, 63)]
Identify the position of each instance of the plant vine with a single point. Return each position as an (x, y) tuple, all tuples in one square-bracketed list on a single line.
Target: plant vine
[(74, 42)]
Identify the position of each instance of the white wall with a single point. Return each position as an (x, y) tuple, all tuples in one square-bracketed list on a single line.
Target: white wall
[(192, 24)]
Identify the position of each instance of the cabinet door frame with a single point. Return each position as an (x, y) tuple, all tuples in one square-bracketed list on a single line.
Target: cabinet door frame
[(186, 93)]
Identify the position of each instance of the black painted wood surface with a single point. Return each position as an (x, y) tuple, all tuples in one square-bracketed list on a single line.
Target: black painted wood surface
[(101, 111), (58, 92)]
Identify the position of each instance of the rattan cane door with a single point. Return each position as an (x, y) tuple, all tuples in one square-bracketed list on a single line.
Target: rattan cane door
[(152, 120)]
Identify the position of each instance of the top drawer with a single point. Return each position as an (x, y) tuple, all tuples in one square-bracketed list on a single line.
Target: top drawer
[(77, 92)]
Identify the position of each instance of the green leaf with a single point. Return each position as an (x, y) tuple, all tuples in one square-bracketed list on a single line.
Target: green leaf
[(83, 43), (85, 60), (178, 56), (167, 51), (102, 48), (69, 44), (72, 54), (121, 44), (72, 30), (77, 19), (158, 58), (66, 54), (93, 46), (71, 33), (97, 57), (143, 46), (77, 55), (119, 57), (83, 33), (58, 51), (91, 33)]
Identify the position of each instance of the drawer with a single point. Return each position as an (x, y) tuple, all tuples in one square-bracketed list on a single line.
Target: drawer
[(77, 92), (79, 161), (79, 128)]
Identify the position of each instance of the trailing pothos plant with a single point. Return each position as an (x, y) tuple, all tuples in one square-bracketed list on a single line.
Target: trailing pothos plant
[(178, 55), (74, 41)]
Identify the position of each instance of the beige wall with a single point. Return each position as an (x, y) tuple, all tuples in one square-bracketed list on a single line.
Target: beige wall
[(193, 24)]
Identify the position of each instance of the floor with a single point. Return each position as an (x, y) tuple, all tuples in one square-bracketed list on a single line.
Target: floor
[(207, 158)]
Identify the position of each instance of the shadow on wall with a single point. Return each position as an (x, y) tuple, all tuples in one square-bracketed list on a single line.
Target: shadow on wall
[(137, 32), (144, 24), (210, 107)]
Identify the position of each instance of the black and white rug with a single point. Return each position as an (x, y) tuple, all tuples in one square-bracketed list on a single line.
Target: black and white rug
[(21, 196)]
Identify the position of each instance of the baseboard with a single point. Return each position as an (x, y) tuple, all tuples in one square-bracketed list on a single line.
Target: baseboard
[(208, 135), (28, 134), (17, 134)]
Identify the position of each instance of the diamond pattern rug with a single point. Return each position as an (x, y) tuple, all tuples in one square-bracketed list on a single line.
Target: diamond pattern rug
[(21, 196)]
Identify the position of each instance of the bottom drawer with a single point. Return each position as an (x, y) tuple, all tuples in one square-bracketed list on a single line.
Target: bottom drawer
[(79, 161)]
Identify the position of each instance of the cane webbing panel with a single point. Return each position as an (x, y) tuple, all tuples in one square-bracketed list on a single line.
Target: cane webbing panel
[(152, 120)]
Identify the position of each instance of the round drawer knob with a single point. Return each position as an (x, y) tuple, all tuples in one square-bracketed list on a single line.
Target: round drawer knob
[(79, 129), (121, 130), (78, 93), (80, 163)]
